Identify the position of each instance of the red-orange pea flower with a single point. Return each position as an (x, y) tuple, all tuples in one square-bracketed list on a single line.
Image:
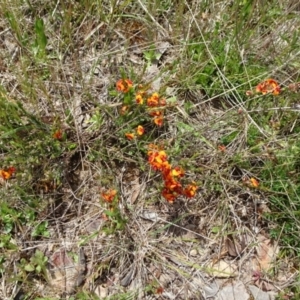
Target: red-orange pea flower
[(268, 86), (140, 130), (169, 195), (177, 172), (58, 134), (253, 182), (190, 190), (173, 185), (130, 136), (158, 121), (139, 98), (7, 173), (153, 100), (157, 159), (124, 85), (109, 195), (155, 113)]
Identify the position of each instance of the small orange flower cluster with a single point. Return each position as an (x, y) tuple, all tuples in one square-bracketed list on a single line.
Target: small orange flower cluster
[(171, 176), (156, 105), (124, 85), (269, 86), (140, 130), (7, 173), (153, 103), (109, 195)]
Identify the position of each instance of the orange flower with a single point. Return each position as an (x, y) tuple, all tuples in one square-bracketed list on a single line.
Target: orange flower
[(173, 185), (140, 130), (7, 173), (177, 172), (169, 195), (139, 98), (57, 134), (153, 100), (130, 136), (253, 182), (155, 113), (170, 182), (268, 86), (157, 159), (109, 196), (158, 121), (190, 190), (124, 85)]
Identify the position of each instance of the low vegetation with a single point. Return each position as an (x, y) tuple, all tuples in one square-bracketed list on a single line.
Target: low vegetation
[(145, 143)]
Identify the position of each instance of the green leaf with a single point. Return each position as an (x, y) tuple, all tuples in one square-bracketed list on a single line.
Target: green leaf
[(40, 34), (29, 268), (38, 268)]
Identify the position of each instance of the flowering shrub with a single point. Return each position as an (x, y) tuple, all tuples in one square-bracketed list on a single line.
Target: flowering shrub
[(154, 106), (173, 188), (151, 104)]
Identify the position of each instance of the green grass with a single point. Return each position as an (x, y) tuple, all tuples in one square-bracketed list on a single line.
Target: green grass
[(59, 64)]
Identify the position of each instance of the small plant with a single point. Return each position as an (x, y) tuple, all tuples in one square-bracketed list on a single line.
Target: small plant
[(155, 106), (114, 219), (39, 47), (37, 263)]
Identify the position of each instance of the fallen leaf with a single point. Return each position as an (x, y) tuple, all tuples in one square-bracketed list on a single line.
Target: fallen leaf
[(64, 274), (222, 269), (266, 253), (233, 247)]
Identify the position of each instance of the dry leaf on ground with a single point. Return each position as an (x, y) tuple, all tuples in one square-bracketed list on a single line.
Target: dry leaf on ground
[(64, 274), (266, 254), (222, 269), (233, 246)]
